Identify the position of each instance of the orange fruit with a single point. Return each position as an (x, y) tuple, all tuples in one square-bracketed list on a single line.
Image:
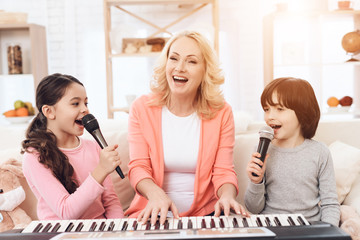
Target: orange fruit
[(10, 113), (332, 101), (22, 112)]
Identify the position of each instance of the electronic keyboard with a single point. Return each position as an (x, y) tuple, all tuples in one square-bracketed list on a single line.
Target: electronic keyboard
[(274, 226)]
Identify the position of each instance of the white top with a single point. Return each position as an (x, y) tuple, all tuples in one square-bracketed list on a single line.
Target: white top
[(181, 140)]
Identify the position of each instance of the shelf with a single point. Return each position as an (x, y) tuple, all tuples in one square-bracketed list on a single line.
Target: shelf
[(9, 76), (334, 64), (314, 47), (188, 8), (150, 54), (16, 26), (345, 12), (143, 2), (292, 14), (34, 50)]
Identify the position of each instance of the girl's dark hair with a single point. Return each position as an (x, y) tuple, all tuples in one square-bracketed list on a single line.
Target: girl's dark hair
[(298, 95), (49, 91)]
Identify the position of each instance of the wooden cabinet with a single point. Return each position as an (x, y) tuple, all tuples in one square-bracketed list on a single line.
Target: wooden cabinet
[(110, 6), (310, 48), (32, 39)]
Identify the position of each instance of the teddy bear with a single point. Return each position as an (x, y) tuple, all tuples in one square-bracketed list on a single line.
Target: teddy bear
[(11, 196), (350, 221)]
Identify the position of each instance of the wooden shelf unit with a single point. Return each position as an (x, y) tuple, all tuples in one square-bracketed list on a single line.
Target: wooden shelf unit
[(34, 37), (268, 46), (108, 4)]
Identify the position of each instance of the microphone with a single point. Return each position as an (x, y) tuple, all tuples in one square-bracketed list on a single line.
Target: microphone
[(266, 135), (92, 126)]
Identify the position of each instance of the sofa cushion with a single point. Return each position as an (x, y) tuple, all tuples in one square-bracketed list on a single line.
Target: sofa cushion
[(10, 153), (122, 187), (346, 160), (353, 198), (242, 121), (245, 145)]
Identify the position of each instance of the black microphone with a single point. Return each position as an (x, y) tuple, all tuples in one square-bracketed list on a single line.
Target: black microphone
[(266, 135), (92, 126)]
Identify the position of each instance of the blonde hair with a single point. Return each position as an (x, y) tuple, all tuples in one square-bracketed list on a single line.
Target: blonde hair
[(209, 95)]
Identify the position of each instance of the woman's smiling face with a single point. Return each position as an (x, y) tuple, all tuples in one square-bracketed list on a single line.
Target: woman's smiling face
[(185, 67)]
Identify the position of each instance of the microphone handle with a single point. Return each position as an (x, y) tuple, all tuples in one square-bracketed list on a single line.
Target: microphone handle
[(262, 149), (101, 141), (118, 170), (99, 138)]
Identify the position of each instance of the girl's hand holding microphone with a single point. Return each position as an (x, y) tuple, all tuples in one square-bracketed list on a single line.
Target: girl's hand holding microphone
[(109, 160)]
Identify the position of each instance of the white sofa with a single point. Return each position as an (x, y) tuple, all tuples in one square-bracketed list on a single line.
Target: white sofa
[(340, 136)]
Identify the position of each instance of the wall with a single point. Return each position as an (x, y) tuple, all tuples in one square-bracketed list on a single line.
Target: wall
[(75, 38)]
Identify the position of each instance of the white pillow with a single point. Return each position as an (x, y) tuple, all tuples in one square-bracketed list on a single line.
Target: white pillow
[(346, 160), (10, 153), (353, 198), (241, 121), (245, 145)]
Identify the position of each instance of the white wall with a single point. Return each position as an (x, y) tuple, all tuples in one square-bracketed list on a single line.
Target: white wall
[(75, 36)]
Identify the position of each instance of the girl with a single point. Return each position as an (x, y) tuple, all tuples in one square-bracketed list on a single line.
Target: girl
[(297, 176), (67, 174)]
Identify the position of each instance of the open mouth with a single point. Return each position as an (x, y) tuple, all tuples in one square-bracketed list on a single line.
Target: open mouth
[(275, 126), (79, 122), (180, 79)]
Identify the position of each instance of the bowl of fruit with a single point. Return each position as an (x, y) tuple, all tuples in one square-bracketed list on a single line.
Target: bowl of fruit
[(21, 113), (339, 105)]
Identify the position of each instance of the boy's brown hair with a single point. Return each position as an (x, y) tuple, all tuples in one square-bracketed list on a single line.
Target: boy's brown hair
[(298, 95)]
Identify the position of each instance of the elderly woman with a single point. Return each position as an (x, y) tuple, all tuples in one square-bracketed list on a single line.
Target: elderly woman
[(181, 137)]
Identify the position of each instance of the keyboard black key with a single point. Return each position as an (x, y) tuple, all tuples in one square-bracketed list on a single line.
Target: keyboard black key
[(38, 228), (222, 224), (268, 222), (190, 224), (124, 227), (79, 227), (180, 225), (56, 227), (166, 224), (277, 221), (93, 227), (134, 225), (290, 221), (235, 223), (111, 226), (258, 222), (102, 226), (47, 227), (69, 227), (245, 222), (148, 225), (300, 220), (157, 225), (203, 223), (212, 223)]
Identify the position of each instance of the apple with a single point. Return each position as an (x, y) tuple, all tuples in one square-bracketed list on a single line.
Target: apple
[(19, 104), (346, 101)]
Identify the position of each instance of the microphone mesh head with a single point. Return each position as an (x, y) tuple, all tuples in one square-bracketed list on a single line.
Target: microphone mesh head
[(90, 123), (267, 132)]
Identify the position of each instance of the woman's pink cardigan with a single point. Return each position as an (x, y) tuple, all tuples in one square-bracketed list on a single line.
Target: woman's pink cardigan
[(215, 161)]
